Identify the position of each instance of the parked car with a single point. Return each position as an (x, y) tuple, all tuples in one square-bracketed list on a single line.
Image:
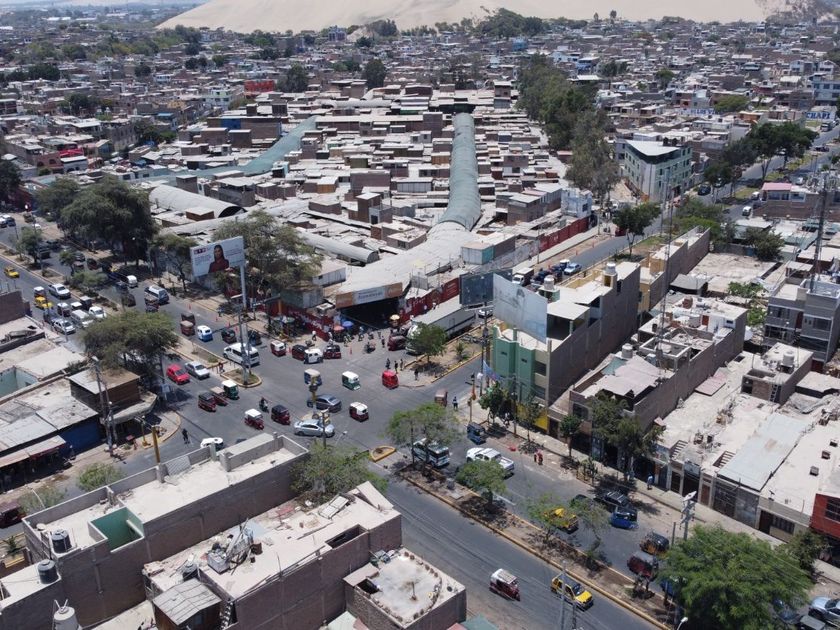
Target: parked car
[(299, 352), (479, 453), (485, 312), (177, 374), (326, 401), (784, 613), (613, 499), (825, 608), (207, 401), (704, 189), (97, 312), (313, 428), (558, 268), (332, 351), (566, 586), (572, 268), (228, 335), (60, 291), (799, 181), (204, 333), (746, 211), (254, 338), (218, 442), (197, 369), (359, 411), (11, 272), (63, 309), (64, 326)]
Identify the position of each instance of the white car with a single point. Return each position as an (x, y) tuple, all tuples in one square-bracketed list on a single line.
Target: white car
[(490, 455), (313, 428), (97, 312), (63, 326), (799, 181), (485, 312), (197, 369), (218, 442), (63, 309), (60, 291)]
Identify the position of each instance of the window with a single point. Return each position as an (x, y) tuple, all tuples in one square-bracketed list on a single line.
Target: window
[(832, 509), (782, 523), (820, 323)]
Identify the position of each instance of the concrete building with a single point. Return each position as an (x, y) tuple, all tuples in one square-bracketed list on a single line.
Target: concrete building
[(656, 170), (98, 543), (806, 315)]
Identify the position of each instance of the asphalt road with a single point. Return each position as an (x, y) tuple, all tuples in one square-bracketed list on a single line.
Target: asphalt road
[(470, 553)]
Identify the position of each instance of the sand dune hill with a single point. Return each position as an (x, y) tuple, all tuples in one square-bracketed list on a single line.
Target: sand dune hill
[(299, 15)]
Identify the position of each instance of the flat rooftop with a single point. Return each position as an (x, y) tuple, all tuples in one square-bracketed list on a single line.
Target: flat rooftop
[(290, 537), (405, 586), (721, 269), (152, 500)]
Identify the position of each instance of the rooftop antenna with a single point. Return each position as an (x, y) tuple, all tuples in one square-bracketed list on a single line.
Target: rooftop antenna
[(828, 182)]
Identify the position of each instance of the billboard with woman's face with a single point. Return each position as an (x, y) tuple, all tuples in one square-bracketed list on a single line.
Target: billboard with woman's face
[(217, 256)]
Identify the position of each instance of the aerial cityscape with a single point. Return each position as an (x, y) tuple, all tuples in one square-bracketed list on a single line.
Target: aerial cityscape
[(419, 315)]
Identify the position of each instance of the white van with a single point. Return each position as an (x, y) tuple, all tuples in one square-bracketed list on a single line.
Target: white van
[(82, 319), (158, 292), (236, 352), (313, 355)]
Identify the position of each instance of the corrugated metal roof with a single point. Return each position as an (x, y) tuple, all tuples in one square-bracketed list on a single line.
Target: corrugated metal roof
[(185, 600), (172, 198), (464, 202)]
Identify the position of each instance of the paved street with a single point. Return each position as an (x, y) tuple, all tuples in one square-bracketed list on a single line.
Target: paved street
[(469, 553)]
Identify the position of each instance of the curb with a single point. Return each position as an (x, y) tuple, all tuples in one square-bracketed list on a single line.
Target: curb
[(535, 553)]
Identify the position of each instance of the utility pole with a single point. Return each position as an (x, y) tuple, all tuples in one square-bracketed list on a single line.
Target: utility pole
[(687, 512), (105, 407), (563, 601)]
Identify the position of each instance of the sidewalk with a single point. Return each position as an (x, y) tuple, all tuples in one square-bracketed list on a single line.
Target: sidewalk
[(668, 505)]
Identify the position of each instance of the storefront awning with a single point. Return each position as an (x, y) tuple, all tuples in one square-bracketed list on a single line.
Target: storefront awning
[(45, 447), (13, 458)]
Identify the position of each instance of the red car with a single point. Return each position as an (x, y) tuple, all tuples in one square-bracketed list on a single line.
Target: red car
[(332, 352), (177, 374)]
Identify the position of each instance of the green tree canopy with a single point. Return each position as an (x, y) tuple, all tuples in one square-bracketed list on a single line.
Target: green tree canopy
[(771, 139), (297, 79), (805, 547), (57, 196), (729, 580), (635, 220), (28, 241), (767, 244), (569, 428), (732, 103), (592, 166), (331, 470), (175, 251), (143, 336), (485, 477), (374, 73), (428, 339), (9, 179), (97, 475), (493, 399), (434, 422), (663, 77), (278, 258)]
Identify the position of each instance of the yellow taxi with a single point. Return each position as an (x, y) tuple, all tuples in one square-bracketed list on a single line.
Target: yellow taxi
[(11, 272), (561, 518), (572, 590), (42, 302)]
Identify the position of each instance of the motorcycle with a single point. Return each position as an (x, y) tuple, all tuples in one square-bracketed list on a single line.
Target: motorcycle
[(263, 405)]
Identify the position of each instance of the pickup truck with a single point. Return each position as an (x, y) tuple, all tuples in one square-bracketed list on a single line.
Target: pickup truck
[(491, 455)]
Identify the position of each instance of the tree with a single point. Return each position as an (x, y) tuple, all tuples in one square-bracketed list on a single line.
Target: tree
[(142, 70), (541, 511), (635, 220), (219, 60), (630, 439), (663, 77), (115, 212), (767, 244), (769, 139), (613, 15), (191, 63), (592, 166), (42, 497), (57, 196), (66, 257), (431, 421), (569, 428), (97, 475), (731, 103), (175, 249), (805, 547), (297, 79), (331, 470), (192, 49), (9, 179), (364, 42), (591, 516), (78, 103), (484, 476), (429, 340), (374, 73), (142, 336), (730, 580), (88, 281), (278, 258), (493, 399), (612, 69), (28, 242)]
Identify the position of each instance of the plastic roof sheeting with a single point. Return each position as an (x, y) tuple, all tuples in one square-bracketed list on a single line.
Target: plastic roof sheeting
[(464, 202)]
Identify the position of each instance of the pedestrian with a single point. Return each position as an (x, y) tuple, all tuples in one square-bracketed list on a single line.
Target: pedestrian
[(455, 402), (402, 364), (186, 436), (383, 341), (540, 457), (650, 482), (535, 457), (416, 374), (387, 364)]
